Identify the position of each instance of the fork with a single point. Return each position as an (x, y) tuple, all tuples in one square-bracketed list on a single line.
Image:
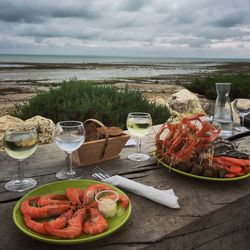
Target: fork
[(99, 173)]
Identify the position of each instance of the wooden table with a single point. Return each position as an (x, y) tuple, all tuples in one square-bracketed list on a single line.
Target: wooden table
[(213, 215)]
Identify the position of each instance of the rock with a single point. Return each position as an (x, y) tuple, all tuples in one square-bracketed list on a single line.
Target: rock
[(5, 122), (185, 101), (45, 127), (205, 103)]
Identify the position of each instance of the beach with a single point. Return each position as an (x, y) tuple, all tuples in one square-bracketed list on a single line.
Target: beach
[(20, 80)]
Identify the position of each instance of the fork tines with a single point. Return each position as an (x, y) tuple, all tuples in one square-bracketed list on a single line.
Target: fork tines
[(99, 173)]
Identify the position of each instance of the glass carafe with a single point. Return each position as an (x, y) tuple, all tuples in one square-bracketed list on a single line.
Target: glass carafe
[(223, 116)]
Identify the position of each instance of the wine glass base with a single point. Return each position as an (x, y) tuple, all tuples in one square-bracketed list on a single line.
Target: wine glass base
[(240, 129), (139, 157), (67, 175), (20, 185)]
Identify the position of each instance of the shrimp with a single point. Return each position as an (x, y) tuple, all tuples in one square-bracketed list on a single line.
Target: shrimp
[(75, 195), (92, 190), (57, 223), (42, 212), (52, 199), (96, 224), (122, 198), (93, 204), (74, 228)]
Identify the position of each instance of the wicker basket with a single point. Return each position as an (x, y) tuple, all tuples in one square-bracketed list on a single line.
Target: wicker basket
[(96, 151)]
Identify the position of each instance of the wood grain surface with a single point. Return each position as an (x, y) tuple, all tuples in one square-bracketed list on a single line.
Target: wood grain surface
[(213, 215)]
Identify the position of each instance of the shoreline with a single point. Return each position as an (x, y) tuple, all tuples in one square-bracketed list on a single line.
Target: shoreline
[(153, 87)]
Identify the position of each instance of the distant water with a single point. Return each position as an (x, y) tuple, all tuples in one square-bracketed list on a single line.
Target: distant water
[(108, 59), (135, 67)]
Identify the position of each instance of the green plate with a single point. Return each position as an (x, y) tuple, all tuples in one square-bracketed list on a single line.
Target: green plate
[(199, 176), (59, 187)]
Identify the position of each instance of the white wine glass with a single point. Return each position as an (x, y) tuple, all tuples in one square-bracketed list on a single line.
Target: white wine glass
[(20, 143), (242, 108), (139, 124), (69, 136)]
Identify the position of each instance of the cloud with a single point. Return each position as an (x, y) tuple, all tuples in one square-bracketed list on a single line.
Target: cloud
[(136, 27), (39, 11)]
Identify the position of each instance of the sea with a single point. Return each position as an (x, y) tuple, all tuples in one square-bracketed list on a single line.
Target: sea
[(14, 67)]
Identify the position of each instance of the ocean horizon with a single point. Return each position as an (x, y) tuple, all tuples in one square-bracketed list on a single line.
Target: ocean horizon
[(22, 67), (42, 58)]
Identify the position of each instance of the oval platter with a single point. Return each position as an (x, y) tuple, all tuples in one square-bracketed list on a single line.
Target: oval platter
[(199, 176), (59, 187)]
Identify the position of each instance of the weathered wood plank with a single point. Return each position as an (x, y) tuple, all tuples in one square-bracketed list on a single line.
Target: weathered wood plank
[(213, 215), (153, 228), (227, 228), (47, 160)]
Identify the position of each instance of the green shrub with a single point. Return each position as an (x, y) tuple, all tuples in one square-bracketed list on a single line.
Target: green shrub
[(80, 100), (206, 86)]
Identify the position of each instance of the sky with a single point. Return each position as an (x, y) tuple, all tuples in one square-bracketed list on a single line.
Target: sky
[(168, 28)]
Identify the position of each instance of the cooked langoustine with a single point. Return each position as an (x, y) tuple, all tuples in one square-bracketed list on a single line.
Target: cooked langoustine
[(190, 140), (184, 138)]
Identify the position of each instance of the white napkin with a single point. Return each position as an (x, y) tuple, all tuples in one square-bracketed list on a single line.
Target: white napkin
[(130, 143), (164, 197)]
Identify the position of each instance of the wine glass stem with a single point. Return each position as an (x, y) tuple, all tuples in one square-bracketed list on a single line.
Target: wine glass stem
[(69, 162), (139, 145), (242, 120), (20, 171)]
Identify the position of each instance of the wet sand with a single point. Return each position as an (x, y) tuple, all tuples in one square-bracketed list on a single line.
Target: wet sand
[(153, 87)]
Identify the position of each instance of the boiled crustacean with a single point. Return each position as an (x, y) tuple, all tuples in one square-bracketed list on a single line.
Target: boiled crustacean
[(194, 146), (77, 212), (183, 139)]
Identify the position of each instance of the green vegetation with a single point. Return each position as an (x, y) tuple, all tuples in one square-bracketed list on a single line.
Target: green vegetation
[(81, 100), (206, 86)]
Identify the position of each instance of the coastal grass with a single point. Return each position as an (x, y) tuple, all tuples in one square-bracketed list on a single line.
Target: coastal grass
[(81, 100), (240, 87)]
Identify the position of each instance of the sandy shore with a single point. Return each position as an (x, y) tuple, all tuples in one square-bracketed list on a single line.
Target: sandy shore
[(154, 87)]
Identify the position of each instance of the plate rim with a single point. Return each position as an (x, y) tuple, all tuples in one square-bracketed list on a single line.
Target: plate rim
[(54, 240), (200, 176)]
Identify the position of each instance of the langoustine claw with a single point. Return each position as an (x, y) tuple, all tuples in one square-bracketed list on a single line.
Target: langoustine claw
[(42, 212)]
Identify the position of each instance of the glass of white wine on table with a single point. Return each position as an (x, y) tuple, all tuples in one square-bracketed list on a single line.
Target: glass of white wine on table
[(69, 136), (19, 143), (139, 124)]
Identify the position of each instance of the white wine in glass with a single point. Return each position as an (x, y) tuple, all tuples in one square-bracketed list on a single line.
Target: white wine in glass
[(139, 124), (69, 136), (20, 143)]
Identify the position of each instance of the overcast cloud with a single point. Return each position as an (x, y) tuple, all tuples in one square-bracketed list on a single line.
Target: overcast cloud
[(195, 28)]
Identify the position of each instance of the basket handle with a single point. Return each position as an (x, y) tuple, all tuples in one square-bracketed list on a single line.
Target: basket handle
[(105, 130)]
